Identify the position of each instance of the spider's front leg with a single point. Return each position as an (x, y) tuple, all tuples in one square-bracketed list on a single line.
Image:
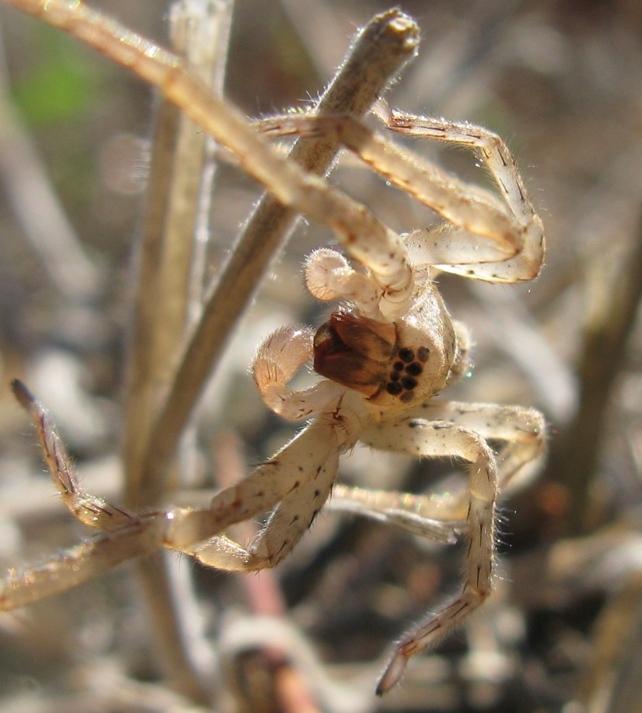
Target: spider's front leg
[(89, 509), (442, 439), (125, 534), (297, 480)]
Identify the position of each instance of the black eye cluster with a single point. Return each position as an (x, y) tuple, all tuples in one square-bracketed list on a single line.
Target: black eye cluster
[(405, 370)]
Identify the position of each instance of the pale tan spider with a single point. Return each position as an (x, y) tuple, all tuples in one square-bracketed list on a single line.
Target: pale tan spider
[(385, 354)]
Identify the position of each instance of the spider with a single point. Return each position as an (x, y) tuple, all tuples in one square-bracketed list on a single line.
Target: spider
[(384, 355)]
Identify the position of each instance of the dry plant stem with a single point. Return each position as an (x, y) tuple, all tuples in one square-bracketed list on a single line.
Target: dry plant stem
[(140, 394), (612, 682), (167, 256), (603, 353), (377, 55), (179, 644), (199, 31)]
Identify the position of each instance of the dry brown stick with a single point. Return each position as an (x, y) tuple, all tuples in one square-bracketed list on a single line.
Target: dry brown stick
[(602, 357), (199, 32), (168, 246)]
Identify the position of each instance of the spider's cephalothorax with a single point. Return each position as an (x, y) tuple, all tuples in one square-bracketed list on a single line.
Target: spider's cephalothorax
[(392, 363)]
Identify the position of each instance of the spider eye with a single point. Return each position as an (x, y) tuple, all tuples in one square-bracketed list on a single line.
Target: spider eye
[(403, 377)]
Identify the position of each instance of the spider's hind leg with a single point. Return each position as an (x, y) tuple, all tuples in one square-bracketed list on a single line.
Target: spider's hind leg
[(418, 514), (434, 440)]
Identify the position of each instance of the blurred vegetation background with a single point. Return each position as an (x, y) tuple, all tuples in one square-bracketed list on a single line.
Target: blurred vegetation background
[(561, 81)]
